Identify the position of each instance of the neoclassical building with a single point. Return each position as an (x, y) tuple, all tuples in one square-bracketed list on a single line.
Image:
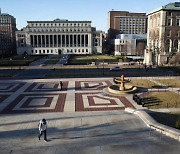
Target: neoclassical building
[(58, 37), (163, 35)]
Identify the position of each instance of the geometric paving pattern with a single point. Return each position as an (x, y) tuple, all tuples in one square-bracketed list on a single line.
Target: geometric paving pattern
[(46, 86), (98, 102), (92, 85), (10, 87), (37, 103), (3, 97), (39, 96)]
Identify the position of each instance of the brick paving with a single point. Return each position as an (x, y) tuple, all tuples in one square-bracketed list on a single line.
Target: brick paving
[(45, 95)]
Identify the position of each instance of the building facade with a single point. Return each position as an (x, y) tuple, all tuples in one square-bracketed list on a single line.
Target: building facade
[(124, 22), (7, 35), (130, 44), (163, 36), (56, 37)]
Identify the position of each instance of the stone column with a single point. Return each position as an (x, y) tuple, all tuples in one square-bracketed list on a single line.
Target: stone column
[(77, 44), (37, 40), (41, 42), (33, 40), (45, 40), (49, 41), (89, 40), (84, 40)]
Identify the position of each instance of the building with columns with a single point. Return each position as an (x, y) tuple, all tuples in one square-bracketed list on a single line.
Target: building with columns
[(57, 37), (163, 35), (7, 35)]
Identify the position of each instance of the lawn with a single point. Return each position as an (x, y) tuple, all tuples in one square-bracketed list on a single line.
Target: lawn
[(52, 61), (19, 60), (156, 100), (88, 59), (169, 82), (142, 83)]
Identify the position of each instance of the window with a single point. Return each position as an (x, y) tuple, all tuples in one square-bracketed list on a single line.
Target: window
[(178, 22), (168, 33), (169, 13), (177, 34), (169, 22)]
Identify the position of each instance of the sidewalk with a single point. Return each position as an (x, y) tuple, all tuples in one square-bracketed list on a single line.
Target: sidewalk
[(81, 119)]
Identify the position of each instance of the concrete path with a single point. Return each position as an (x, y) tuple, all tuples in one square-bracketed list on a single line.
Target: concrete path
[(81, 119)]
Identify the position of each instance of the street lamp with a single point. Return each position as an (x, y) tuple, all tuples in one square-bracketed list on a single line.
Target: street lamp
[(11, 63), (103, 67)]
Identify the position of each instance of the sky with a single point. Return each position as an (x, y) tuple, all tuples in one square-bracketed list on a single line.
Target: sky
[(75, 10)]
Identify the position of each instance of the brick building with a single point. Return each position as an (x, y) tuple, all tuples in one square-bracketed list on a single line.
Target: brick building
[(7, 35), (124, 22), (163, 36)]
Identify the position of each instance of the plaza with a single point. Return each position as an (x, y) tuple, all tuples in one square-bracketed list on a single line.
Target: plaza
[(81, 118)]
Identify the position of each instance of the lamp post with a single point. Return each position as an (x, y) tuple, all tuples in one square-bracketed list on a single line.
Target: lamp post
[(103, 67), (11, 63)]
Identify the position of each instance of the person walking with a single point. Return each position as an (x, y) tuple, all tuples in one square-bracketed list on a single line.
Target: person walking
[(42, 129), (61, 84)]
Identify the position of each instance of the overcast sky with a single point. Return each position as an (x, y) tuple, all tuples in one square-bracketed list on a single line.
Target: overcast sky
[(91, 10)]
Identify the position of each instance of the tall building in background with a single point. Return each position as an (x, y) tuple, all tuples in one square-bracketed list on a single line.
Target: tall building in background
[(57, 37), (124, 22), (7, 35), (163, 37)]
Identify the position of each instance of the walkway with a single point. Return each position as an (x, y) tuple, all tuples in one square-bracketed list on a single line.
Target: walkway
[(81, 119)]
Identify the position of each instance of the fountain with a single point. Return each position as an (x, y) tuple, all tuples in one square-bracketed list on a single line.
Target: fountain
[(121, 87)]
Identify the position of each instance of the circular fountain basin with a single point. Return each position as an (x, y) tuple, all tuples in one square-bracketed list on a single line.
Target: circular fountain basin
[(114, 89)]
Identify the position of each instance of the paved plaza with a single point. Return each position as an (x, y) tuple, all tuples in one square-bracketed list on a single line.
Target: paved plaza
[(81, 118)]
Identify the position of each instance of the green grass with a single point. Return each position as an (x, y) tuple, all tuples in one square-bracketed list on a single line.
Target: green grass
[(18, 60), (142, 83), (170, 82), (52, 61), (88, 59), (156, 100)]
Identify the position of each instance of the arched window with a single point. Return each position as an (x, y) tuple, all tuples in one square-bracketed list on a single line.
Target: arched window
[(175, 45), (167, 45)]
